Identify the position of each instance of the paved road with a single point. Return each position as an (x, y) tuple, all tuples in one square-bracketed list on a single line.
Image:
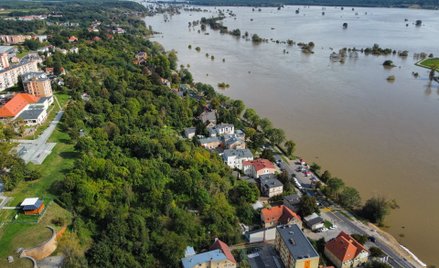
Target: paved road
[(37, 150), (342, 221), (357, 227)]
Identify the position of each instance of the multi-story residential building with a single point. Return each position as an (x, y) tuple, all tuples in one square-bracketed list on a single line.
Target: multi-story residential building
[(37, 84), (258, 167), (270, 185), (294, 248), (9, 76), (4, 60), (235, 158), (18, 39), (345, 252)]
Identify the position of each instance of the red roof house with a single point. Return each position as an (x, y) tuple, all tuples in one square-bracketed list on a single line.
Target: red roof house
[(279, 215), (218, 244), (16, 105), (258, 167), (73, 39), (345, 251)]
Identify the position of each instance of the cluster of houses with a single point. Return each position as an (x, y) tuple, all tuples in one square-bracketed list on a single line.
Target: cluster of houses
[(231, 146), (280, 224), (32, 105), (292, 246)]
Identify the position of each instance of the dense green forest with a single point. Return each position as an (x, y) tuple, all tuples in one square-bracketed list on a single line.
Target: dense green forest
[(139, 192), (366, 3)]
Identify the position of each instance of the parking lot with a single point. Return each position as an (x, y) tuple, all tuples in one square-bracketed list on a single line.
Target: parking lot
[(37, 150)]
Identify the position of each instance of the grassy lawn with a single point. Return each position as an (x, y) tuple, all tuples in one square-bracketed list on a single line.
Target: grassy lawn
[(429, 63), (24, 232), (328, 224)]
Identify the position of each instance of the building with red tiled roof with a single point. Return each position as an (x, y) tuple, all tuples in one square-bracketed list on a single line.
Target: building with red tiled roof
[(344, 251), (13, 108), (218, 244), (73, 39), (279, 215), (258, 167)]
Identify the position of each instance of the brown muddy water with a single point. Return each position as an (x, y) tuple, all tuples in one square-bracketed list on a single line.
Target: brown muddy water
[(380, 137)]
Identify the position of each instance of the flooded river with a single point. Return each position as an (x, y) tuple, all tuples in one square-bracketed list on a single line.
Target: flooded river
[(378, 136)]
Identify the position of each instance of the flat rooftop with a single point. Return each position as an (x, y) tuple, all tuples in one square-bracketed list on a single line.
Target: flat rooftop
[(296, 242)]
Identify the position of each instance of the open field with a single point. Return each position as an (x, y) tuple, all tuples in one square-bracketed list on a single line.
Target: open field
[(13, 234), (429, 63)]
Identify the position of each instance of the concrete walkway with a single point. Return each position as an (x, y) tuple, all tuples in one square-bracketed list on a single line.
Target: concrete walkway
[(37, 150)]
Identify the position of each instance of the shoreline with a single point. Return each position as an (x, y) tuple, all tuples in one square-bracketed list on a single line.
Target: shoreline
[(262, 5), (403, 251)]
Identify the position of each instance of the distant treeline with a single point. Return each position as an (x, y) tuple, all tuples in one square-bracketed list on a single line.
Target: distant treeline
[(370, 3)]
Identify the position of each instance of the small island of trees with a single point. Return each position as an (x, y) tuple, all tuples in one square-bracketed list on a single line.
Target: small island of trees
[(223, 85)]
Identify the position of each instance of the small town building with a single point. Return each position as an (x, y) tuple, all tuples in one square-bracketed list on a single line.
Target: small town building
[(32, 206), (221, 129), (292, 201), (258, 167), (14, 107), (276, 215), (235, 158), (140, 58), (44, 102), (314, 221), (270, 185), (233, 141), (210, 143), (294, 248), (73, 39), (37, 84), (189, 132), (32, 117), (208, 117), (345, 252), (219, 255)]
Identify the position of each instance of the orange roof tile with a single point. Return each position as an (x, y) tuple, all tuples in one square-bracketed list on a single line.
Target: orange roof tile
[(344, 247), (279, 214), (17, 104), (224, 248), (259, 164)]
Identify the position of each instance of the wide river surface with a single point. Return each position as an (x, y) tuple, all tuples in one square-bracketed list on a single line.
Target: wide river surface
[(378, 136)]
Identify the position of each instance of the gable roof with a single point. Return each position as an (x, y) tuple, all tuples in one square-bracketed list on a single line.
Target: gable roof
[(17, 104), (344, 247), (260, 164), (224, 248), (280, 214)]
